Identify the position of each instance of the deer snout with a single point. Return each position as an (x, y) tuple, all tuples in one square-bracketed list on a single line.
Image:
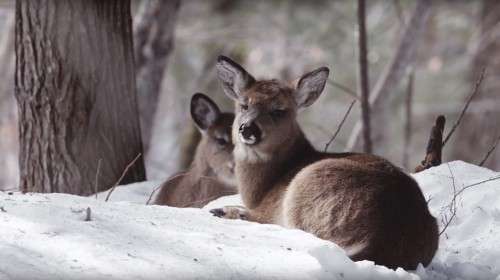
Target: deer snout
[(250, 133)]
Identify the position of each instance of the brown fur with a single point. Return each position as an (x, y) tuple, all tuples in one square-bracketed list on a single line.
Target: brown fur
[(361, 202), (211, 174)]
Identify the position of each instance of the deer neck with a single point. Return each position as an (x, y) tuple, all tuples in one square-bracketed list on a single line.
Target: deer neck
[(255, 178)]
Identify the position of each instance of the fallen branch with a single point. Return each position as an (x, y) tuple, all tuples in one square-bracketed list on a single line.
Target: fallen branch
[(122, 176), (434, 146), (474, 92), (490, 151), (340, 125)]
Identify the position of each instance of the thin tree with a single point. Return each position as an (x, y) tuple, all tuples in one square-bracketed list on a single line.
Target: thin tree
[(154, 27), (363, 79), (390, 78), (75, 87)]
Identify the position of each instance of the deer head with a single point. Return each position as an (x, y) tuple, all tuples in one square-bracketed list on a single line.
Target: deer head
[(266, 110), (216, 146)]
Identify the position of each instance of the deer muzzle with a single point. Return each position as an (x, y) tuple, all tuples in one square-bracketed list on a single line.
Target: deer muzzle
[(250, 133)]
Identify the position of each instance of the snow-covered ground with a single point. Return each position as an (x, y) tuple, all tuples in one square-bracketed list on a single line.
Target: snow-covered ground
[(45, 236)]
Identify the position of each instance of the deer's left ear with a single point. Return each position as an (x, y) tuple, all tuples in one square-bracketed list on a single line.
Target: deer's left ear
[(233, 77), (310, 86), (204, 111)]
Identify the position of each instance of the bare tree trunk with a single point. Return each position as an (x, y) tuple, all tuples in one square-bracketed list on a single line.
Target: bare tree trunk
[(75, 87), (8, 118), (408, 120), (363, 80), (154, 41), (480, 126), (391, 77)]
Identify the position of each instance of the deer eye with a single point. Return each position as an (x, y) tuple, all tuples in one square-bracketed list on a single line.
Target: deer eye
[(278, 113), (221, 141), (244, 107)]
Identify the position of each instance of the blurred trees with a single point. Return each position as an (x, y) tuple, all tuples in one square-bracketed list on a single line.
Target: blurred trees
[(480, 127), (8, 117), (75, 87), (154, 27)]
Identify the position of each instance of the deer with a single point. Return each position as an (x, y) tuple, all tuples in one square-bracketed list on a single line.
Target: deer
[(211, 175), (361, 202)]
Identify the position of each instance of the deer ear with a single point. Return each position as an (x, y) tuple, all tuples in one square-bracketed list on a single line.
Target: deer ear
[(204, 111), (233, 77), (310, 86)]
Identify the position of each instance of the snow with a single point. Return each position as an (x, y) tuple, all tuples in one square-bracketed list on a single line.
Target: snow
[(45, 236)]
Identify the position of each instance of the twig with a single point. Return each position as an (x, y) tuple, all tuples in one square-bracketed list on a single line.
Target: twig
[(474, 92), (452, 207), (180, 174), (340, 125), (122, 176), (343, 88), (490, 151), (478, 183), (152, 193), (96, 185)]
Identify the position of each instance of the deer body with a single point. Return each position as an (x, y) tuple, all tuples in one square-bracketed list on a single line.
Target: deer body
[(211, 174), (361, 202)]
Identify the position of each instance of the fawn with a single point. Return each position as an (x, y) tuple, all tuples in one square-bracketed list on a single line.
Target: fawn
[(211, 174), (362, 202)]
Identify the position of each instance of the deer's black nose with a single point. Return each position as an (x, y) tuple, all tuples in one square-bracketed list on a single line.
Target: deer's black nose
[(250, 133)]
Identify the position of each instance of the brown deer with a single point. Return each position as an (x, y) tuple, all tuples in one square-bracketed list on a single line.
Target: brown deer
[(211, 174), (361, 202)]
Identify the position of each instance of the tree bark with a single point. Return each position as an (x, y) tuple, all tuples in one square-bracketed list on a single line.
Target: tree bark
[(363, 80), (390, 79), (479, 127), (75, 88), (154, 41)]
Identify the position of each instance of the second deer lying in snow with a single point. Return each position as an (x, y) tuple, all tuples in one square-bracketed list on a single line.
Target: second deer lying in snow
[(361, 202), (212, 172)]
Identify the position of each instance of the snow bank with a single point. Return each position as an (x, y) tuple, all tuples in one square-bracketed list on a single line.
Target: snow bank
[(44, 236)]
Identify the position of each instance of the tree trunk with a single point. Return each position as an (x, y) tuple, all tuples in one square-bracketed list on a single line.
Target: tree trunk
[(479, 128), (154, 41), (364, 82), (390, 79), (75, 88)]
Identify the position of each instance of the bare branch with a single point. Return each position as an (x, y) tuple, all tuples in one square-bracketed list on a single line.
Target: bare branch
[(452, 207), (340, 125), (152, 193), (474, 92), (478, 183), (123, 175), (343, 88), (490, 151), (363, 78)]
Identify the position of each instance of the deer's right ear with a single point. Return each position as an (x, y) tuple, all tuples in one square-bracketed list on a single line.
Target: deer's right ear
[(204, 111), (233, 77)]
